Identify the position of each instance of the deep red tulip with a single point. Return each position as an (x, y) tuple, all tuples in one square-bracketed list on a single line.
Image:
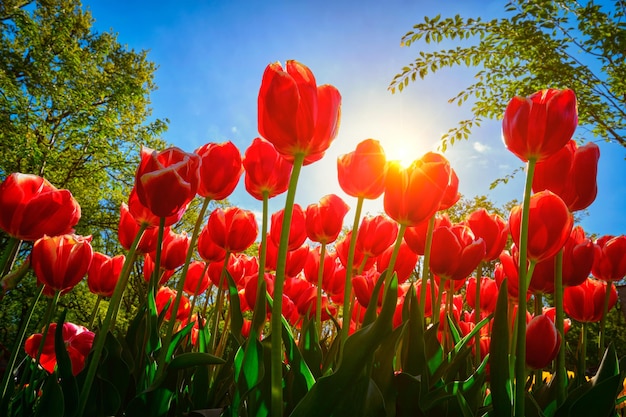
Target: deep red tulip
[(492, 228), (77, 339), (405, 263), (414, 194), (208, 249), (297, 230), (550, 312), (538, 126), (585, 302), (363, 285), (143, 215), (220, 169), (236, 267), (542, 342), (295, 258), (542, 281), (610, 258), (508, 268), (571, 174), (375, 235), (251, 286), (103, 273), (32, 208), (60, 262), (295, 115), (362, 172), (488, 294), (549, 225), (456, 252), (197, 279), (128, 228), (167, 181), (148, 270), (267, 171), (578, 256), (173, 250), (232, 228), (415, 236), (165, 295), (324, 220)]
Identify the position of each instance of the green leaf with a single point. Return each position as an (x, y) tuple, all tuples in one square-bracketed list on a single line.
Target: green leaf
[(310, 347), (64, 369), (51, 403), (501, 390), (249, 372), (236, 318), (189, 359)]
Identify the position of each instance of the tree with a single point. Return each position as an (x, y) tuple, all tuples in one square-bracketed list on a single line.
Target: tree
[(538, 44), (74, 106)]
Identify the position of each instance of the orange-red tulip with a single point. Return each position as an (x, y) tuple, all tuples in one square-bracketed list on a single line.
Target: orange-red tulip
[(375, 235), (32, 208), (415, 236), (232, 228), (492, 229), (197, 279), (103, 273), (538, 126), (297, 229), (295, 114), (167, 295), (405, 263), (220, 169), (362, 172), (324, 220), (456, 252), (266, 170)]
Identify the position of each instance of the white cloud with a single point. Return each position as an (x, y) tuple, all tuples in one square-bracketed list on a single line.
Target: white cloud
[(480, 147)]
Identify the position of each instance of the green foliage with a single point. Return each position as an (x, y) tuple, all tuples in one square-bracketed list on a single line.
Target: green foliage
[(538, 44)]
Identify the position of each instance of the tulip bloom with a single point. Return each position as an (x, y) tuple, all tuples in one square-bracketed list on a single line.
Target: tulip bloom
[(571, 174), (167, 181), (414, 194), (361, 261), (324, 220), (60, 262), (220, 169), (455, 252), (297, 229), (173, 250), (103, 273), (77, 339), (578, 256), (542, 342), (405, 263), (585, 302), (492, 229), (32, 208), (375, 235), (362, 172), (148, 270), (144, 216), (128, 228), (415, 236), (610, 258), (538, 126), (549, 225), (232, 228), (197, 279), (236, 267), (488, 294), (451, 194), (295, 115), (312, 264), (296, 258), (165, 295), (208, 249), (266, 171)]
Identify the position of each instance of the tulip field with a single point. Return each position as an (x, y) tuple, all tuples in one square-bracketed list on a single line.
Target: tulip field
[(311, 313)]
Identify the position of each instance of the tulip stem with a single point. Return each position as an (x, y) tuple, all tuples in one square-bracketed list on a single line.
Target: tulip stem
[(426, 272), (347, 292), (276, 322), (479, 276), (396, 251), (605, 311), (520, 358), (8, 255), (561, 372), (320, 278), (261, 309), (114, 303), (582, 355), (197, 290), (94, 312)]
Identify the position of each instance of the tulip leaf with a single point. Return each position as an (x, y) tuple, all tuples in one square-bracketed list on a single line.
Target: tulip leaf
[(236, 318), (408, 388), (383, 369), (501, 389), (64, 369), (370, 312), (414, 361), (177, 338), (203, 335), (189, 359), (249, 372), (310, 347), (154, 341), (51, 403)]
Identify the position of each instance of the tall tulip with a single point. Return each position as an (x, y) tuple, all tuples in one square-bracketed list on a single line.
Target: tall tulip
[(220, 169), (232, 228), (362, 172), (538, 126), (144, 216), (266, 170), (197, 279), (324, 220), (167, 295), (297, 229), (32, 208), (295, 114), (167, 181), (571, 174), (173, 250), (103, 273), (455, 252)]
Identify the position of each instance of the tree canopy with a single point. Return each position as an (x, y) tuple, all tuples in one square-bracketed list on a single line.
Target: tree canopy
[(537, 44)]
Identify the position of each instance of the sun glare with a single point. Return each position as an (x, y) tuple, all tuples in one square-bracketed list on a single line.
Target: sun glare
[(401, 153)]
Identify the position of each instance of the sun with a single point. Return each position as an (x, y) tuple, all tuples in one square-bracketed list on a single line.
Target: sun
[(400, 152)]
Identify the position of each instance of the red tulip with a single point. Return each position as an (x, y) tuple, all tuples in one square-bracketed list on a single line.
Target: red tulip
[(375, 235), (167, 295), (455, 252), (492, 229), (549, 226), (32, 208), (128, 228), (451, 195), (148, 270), (312, 264), (405, 263), (538, 126), (77, 339), (304, 296), (585, 302), (267, 171), (295, 115), (103, 273), (508, 268), (197, 279), (208, 249), (414, 194), (578, 256), (324, 220), (361, 261), (232, 228), (297, 229), (363, 286), (143, 215), (60, 262), (295, 258), (488, 294), (220, 169), (362, 172), (334, 284), (415, 236), (571, 174), (173, 250), (542, 342), (550, 312), (542, 281), (167, 181), (610, 258), (236, 267)]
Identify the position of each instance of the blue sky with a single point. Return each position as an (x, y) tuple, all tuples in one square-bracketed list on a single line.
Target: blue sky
[(211, 56)]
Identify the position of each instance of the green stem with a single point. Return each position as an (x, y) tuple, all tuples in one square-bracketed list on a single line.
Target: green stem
[(197, 290), (94, 312), (561, 372), (605, 311), (426, 272), (520, 358), (582, 355), (479, 276), (276, 323), (320, 278), (17, 348), (261, 309), (347, 294), (217, 312), (8, 255), (114, 303), (396, 250)]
